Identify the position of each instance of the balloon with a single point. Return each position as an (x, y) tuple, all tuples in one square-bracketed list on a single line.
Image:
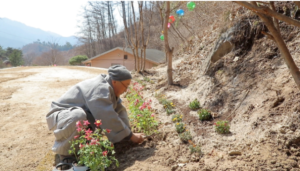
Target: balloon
[(191, 5), (162, 37), (169, 25), (171, 19), (180, 12)]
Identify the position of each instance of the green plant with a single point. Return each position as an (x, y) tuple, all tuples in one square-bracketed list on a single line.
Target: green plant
[(180, 127), (185, 136), (204, 115), (194, 105), (177, 118), (195, 149), (95, 151), (76, 60), (168, 105), (222, 127)]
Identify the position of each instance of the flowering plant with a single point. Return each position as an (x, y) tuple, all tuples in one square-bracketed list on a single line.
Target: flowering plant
[(177, 118), (95, 151), (204, 115), (141, 113), (180, 127), (222, 127)]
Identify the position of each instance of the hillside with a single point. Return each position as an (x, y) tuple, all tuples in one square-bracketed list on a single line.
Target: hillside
[(15, 34)]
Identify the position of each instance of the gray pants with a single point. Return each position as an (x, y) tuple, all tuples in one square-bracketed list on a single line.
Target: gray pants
[(66, 129)]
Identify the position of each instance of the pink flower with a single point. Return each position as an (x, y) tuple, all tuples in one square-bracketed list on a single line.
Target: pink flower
[(78, 129), (150, 100), (108, 130), (91, 152), (104, 153), (152, 115), (94, 142), (86, 122), (81, 145), (98, 123), (78, 124), (88, 132), (149, 107), (87, 137), (139, 115), (75, 137)]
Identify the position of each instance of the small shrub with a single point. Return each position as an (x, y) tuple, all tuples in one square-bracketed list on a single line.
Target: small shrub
[(177, 118), (180, 127), (186, 136), (195, 149), (204, 115), (146, 79), (222, 127), (194, 105), (170, 111)]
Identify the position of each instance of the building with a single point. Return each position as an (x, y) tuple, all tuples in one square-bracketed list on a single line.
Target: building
[(124, 56)]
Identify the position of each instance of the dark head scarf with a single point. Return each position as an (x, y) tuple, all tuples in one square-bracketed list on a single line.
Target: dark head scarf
[(119, 73)]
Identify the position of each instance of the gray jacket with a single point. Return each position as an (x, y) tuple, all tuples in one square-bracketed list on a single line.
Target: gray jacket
[(96, 96)]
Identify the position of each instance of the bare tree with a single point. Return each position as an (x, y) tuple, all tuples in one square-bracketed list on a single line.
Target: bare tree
[(135, 31)]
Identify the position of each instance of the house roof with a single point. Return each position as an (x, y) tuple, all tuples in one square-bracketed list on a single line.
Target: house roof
[(153, 55)]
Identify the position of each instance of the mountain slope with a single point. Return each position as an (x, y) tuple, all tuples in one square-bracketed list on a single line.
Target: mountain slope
[(16, 34)]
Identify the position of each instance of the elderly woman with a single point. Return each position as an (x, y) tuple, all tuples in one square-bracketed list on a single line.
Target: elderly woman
[(93, 99)]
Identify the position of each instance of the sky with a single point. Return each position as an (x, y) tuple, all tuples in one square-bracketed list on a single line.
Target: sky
[(57, 16)]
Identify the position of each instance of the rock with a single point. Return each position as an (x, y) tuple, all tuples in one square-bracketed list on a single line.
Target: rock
[(195, 158), (235, 59), (256, 153), (273, 161), (183, 160), (232, 153), (181, 164), (223, 45), (170, 161), (274, 154), (174, 167), (155, 162)]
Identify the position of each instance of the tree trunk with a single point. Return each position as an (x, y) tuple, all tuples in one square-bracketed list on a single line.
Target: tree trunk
[(168, 50)]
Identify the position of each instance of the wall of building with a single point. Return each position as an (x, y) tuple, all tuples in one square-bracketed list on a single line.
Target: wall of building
[(117, 57)]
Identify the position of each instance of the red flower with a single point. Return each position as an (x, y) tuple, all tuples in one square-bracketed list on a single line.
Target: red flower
[(78, 124), (75, 137), (152, 115), (81, 145), (112, 145), (104, 153), (98, 123), (78, 129), (139, 115), (91, 152), (108, 130), (149, 107), (86, 122)]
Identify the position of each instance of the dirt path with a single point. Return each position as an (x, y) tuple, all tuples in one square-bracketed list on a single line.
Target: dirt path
[(25, 97)]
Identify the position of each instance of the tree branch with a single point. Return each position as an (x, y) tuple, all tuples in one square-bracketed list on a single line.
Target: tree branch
[(268, 11)]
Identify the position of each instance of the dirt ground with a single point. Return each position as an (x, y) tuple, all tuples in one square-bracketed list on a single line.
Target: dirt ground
[(25, 97)]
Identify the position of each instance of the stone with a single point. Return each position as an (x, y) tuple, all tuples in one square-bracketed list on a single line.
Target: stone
[(174, 167), (232, 153), (235, 59), (183, 160), (170, 161), (273, 161)]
